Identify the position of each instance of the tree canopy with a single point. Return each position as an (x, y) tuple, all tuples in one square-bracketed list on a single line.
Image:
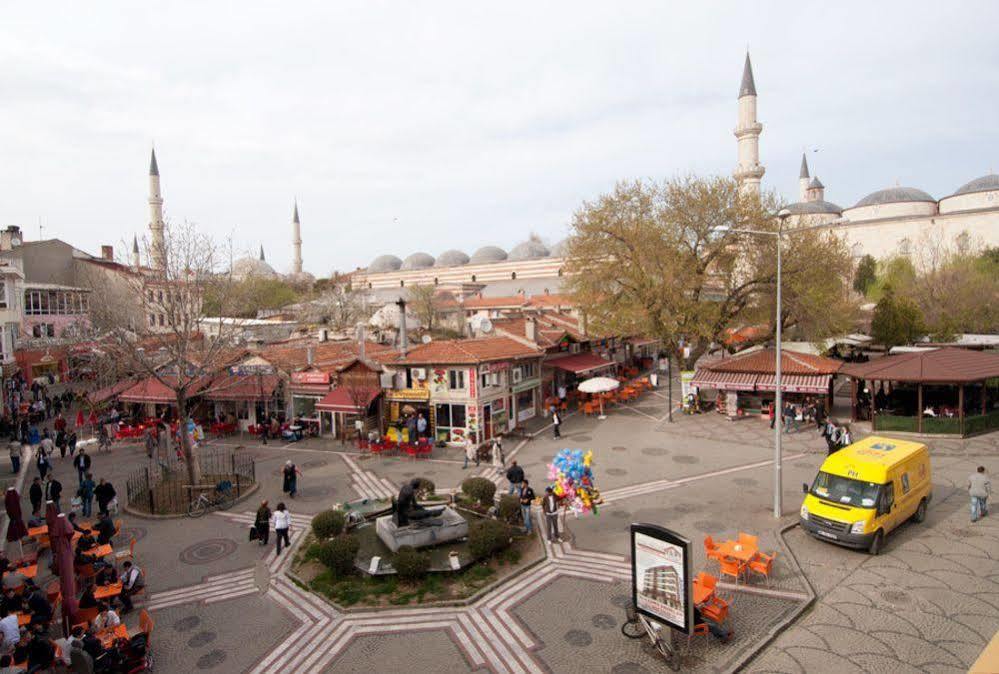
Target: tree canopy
[(896, 321)]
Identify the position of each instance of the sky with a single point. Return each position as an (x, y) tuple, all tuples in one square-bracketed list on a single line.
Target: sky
[(423, 126)]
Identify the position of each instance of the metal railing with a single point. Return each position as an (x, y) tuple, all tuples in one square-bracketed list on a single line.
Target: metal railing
[(161, 491)]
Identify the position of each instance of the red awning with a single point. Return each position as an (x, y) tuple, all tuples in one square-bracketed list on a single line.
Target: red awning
[(725, 381), (242, 387), (795, 383), (581, 363), (348, 400), (108, 392), (152, 390)]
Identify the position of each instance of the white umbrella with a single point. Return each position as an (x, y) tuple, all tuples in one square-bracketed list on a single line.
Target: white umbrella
[(599, 385)]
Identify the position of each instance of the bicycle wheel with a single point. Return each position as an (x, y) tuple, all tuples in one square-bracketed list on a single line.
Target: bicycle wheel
[(669, 652), (632, 629), (228, 499), (197, 508)]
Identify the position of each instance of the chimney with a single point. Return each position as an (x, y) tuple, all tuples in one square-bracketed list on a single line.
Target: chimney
[(403, 335), (531, 328), (107, 253), (310, 355)]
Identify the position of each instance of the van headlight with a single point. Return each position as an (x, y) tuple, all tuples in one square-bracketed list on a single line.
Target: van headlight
[(858, 527), (804, 511)]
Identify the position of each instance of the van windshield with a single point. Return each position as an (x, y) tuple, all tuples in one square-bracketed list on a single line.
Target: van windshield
[(846, 491)]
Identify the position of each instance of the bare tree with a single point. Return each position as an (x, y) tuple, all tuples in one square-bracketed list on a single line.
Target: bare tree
[(425, 304), (339, 306), (150, 319)]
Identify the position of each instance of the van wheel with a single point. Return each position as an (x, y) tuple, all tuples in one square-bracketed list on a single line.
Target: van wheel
[(877, 543), (920, 516)]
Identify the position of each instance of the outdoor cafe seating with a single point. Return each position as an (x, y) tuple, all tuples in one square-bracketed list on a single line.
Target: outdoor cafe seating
[(738, 558)]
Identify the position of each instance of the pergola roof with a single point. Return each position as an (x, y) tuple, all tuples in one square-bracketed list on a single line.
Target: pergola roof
[(940, 366)]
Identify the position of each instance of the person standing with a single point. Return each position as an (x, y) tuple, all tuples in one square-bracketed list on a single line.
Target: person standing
[(46, 445), (263, 523), (104, 493), (14, 447), (281, 519), (526, 498), (53, 492), (556, 422), (771, 414), (514, 475), (265, 431), (290, 484), (549, 505), (150, 442), (979, 489), (471, 452), (86, 493), (846, 437), (35, 494), (497, 452), (421, 426), (82, 464)]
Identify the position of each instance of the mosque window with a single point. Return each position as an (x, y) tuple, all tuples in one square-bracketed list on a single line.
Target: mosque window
[(513, 276), (473, 278), (402, 283), (436, 281), (559, 272)]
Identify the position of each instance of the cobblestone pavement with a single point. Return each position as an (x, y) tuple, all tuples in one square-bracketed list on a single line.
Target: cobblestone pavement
[(929, 603)]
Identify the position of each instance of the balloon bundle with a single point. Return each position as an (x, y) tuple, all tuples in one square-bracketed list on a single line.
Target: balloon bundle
[(571, 474)]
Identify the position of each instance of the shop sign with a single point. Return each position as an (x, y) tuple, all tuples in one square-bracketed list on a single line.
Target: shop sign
[(473, 384), (310, 378), (489, 368), (525, 385), (250, 370), (408, 394)]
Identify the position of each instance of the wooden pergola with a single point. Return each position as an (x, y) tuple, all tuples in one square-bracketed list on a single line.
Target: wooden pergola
[(940, 367)]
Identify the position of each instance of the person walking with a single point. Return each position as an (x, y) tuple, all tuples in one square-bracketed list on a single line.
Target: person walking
[(281, 519), (290, 483), (514, 475), (845, 437), (104, 493), (471, 452), (771, 413), (150, 442), (549, 505), (497, 452), (526, 498), (42, 462), (35, 494), (82, 464), (265, 431), (979, 489), (263, 523), (53, 492), (14, 447), (86, 493), (556, 423)]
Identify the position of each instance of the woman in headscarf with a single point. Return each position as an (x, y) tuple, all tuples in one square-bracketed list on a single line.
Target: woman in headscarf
[(291, 473), (263, 523)]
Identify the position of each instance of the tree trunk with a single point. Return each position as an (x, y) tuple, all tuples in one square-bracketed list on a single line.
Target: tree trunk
[(190, 458)]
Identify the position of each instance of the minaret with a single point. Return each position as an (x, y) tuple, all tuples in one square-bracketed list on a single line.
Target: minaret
[(296, 242), (136, 260), (748, 172), (816, 190), (803, 179), (262, 253), (157, 248)]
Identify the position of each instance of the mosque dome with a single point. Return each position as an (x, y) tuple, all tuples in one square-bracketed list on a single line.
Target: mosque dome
[(247, 267), (986, 183), (814, 207), (558, 250), (384, 263), (418, 261), (451, 258), (488, 254), (529, 250), (302, 277), (894, 195)]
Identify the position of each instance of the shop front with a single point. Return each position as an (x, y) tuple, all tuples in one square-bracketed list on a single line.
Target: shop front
[(569, 371), (245, 398), (349, 412), (306, 389), (409, 403), (150, 398), (47, 365)]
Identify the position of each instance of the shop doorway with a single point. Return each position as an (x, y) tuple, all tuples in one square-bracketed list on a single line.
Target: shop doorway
[(487, 422)]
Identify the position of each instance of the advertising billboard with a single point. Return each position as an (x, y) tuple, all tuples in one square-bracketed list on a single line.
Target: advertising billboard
[(660, 576)]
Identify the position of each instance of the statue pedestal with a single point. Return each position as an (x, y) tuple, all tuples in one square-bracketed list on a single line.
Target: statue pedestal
[(420, 534)]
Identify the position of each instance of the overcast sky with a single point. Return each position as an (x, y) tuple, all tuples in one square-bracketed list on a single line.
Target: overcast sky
[(424, 126)]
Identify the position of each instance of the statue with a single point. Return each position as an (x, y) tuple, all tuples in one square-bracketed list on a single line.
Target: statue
[(407, 509)]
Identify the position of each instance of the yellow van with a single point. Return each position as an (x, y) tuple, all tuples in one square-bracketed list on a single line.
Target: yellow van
[(866, 490)]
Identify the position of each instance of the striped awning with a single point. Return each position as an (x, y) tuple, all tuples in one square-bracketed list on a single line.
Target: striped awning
[(725, 381), (795, 383)]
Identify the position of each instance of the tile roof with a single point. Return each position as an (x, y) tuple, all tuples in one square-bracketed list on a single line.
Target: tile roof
[(762, 362), (512, 301), (480, 350), (326, 356), (948, 365)]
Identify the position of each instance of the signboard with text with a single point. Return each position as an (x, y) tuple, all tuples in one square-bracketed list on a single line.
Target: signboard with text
[(660, 576), (310, 377)]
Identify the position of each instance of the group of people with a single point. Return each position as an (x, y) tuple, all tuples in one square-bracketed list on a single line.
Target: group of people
[(279, 519), (520, 486), (792, 415)]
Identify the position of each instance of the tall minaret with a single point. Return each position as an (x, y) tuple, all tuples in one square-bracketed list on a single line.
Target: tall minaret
[(157, 248), (136, 259), (262, 253), (749, 171), (296, 242), (803, 179)]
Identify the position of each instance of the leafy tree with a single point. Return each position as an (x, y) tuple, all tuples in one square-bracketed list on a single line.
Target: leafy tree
[(866, 274), (896, 321), (661, 259)]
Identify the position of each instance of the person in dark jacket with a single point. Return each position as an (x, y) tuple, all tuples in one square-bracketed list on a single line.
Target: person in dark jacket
[(263, 523), (105, 529), (82, 464), (104, 493), (35, 494), (514, 475), (53, 492), (86, 493)]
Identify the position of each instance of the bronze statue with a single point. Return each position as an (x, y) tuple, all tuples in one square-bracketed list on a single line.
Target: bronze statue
[(407, 509)]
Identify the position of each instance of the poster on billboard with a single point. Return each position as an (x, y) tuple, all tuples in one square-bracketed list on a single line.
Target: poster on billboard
[(660, 576), (686, 376)]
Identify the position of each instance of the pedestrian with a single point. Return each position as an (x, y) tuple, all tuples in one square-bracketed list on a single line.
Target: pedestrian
[(497, 452), (421, 425), (14, 447), (86, 493), (104, 493), (265, 430), (71, 442), (275, 429), (556, 422), (82, 464), (46, 445), (263, 523), (845, 437), (471, 452), (150, 442), (549, 505), (35, 494), (42, 462), (788, 414), (282, 522), (526, 498), (132, 582), (53, 491), (561, 393), (514, 475), (771, 414), (979, 489), (290, 473)]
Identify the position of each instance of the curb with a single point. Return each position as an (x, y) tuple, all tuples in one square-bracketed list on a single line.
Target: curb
[(148, 516)]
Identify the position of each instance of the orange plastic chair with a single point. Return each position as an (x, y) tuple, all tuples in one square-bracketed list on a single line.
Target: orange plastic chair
[(711, 549), (588, 409), (122, 555), (730, 567), (707, 580), (763, 565), (146, 624), (716, 609), (748, 541)]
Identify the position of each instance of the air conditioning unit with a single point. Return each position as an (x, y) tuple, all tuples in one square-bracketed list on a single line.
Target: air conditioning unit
[(419, 373), (518, 376)]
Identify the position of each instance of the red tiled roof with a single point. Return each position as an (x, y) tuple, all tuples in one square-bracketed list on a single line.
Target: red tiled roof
[(942, 366), (763, 362), (108, 392), (456, 351), (345, 399), (152, 390), (243, 387), (512, 302), (327, 356), (581, 363), (551, 300)]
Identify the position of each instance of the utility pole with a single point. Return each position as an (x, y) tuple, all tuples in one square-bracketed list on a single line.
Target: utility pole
[(669, 383)]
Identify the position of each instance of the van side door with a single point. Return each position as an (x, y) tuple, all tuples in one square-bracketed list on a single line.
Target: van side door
[(887, 509)]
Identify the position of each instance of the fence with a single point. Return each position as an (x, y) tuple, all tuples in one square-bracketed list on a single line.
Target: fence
[(160, 490), (938, 425)]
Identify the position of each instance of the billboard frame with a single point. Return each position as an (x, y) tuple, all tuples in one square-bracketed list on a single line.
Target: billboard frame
[(670, 537)]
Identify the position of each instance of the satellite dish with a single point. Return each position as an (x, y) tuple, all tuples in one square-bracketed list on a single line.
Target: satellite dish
[(426, 339), (486, 326)]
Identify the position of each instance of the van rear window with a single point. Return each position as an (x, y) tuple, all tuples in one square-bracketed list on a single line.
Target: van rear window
[(846, 491)]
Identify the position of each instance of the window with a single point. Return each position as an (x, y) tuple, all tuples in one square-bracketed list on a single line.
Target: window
[(456, 379), (3, 295), (559, 272), (50, 330), (149, 295), (487, 379), (887, 498), (526, 371), (513, 276), (905, 247), (905, 483), (473, 278), (843, 490), (450, 418), (161, 320), (152, 320), (402, 284), (159, 296)]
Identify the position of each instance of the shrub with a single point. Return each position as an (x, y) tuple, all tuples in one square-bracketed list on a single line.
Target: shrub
[(479, 489), (328, 524), (487, 537), (338, 554), (509, 509), (410, 564)]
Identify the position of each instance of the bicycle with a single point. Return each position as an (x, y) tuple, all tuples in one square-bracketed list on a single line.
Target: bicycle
[(222, 498), (636, 626)]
